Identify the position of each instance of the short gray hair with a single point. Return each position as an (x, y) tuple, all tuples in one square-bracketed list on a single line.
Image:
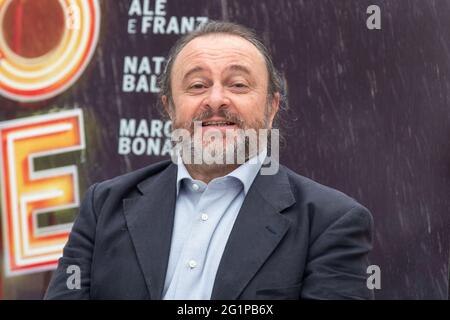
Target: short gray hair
[(275, 84)]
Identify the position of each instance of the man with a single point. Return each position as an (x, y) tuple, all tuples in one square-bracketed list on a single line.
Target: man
[(197, 230)]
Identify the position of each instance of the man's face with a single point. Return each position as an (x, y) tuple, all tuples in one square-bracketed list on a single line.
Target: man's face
[(222, 81)]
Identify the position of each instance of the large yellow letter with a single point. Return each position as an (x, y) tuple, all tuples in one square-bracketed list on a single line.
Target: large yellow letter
[(27, 193)]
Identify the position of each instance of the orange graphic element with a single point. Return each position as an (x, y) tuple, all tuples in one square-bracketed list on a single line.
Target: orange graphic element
[(27, 193), (28, 29), (42, 56)]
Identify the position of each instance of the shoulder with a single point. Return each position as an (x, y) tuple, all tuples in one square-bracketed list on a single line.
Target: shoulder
[(312, 191), (326, 205), (136, 176), (124, 186)]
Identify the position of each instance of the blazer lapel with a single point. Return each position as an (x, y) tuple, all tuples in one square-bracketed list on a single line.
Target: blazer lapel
[(257, 231), (150, 219)]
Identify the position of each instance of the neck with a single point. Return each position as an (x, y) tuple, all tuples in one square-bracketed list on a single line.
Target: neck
[(206, 173)]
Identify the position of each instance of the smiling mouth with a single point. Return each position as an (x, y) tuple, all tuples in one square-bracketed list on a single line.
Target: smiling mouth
[(217, 123)]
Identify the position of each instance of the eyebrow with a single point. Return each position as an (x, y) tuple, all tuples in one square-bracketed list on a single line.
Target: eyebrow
[(192, 71), (238, 67), (233, 67)]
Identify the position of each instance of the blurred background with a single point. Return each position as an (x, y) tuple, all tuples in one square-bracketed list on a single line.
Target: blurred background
[(368, 113)]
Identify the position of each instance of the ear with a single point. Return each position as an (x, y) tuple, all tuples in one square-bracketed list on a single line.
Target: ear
[(166, 104), (274, 107)]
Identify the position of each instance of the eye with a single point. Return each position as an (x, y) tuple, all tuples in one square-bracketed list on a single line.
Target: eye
[(239, 85), (197, 86)]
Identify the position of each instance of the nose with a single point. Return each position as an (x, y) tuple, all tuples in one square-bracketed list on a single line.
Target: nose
[(217, 98)]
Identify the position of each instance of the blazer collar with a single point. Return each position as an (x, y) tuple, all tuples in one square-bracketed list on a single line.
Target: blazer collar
[(257, 230), (150, 218)]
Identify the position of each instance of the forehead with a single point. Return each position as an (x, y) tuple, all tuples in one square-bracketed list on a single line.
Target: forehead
[(217, 51)]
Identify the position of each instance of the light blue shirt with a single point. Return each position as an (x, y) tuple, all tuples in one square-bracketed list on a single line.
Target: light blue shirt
[(204, 217)]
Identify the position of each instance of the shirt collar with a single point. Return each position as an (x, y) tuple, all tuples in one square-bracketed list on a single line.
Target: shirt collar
[(246, 173)]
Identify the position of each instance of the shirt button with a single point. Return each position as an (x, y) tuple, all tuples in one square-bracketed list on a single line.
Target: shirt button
[(192, 264), (204, 216), (195, 186)]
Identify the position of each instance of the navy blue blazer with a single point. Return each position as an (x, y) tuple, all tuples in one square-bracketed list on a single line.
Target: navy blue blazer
[(293, 238)]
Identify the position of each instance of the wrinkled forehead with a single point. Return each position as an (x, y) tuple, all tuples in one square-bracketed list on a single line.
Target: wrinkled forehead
[(219, 51)]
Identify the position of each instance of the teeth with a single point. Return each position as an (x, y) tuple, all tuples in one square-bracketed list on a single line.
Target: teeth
[(217, 123)]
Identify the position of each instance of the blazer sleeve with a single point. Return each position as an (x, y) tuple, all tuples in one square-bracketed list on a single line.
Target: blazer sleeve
[(77, 254), (338, 259)]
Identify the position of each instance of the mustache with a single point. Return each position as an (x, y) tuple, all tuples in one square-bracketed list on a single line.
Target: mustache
[(209, 113)]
